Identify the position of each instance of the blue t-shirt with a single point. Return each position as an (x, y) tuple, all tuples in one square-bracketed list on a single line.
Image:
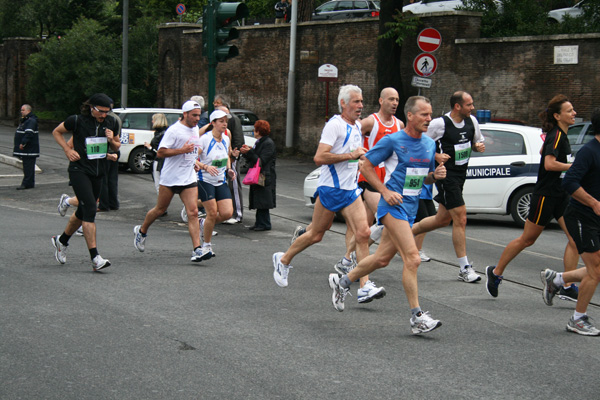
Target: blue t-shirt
[(407, 162)]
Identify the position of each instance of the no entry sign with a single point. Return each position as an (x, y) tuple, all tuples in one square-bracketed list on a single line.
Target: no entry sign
[(429, 40), (425, 64)]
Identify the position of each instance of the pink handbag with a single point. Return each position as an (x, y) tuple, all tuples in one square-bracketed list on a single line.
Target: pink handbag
[(253, 176)]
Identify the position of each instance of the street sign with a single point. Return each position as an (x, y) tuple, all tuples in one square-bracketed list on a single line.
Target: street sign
[(327, 73), (425, 64), (180, 9), (429, 40), (419, 82)]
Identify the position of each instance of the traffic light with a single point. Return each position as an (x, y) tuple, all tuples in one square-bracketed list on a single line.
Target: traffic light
[(217, 31)]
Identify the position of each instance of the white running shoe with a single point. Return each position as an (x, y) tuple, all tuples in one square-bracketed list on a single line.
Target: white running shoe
[(99, 263), (139, 241), (344, 269), (423, 256), (369, 292), (79, 231), (280, 270), (376, 231), (424, 323), (63, 204), (298, 231), (202, 253), (231, 221), (184, 216), (468, 275), (60, 252), (339, 293)]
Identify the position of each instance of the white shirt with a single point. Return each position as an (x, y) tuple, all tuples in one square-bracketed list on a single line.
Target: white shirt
[(437, 128), (179, 170), (343, 138), (216, 154)]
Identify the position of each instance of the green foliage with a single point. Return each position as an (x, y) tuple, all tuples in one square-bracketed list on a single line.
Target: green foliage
[(403, 26), (143, 63), (68, 70)]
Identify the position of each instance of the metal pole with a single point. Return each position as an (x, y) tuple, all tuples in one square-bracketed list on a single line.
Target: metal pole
[(209, 29), (289, 128), (125, 61)]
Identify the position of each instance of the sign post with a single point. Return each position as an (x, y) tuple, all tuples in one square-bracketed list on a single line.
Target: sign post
[(327, 73), (180, 10)]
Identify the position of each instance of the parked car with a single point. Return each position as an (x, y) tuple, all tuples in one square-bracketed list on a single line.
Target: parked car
[(248, 118), (556, 16), (579, 134), (500, 180), (345, 9), (137, 129), (430, 6)]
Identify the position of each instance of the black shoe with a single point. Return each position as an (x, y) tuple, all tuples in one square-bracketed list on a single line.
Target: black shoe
[(24, 187), (569, 293), (253, 227), (260, 228), (493, 281)]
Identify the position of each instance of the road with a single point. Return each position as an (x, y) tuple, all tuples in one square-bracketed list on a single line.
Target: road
[(156, 326)]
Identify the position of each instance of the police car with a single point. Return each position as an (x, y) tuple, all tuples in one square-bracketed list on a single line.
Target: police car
[(500, 180)]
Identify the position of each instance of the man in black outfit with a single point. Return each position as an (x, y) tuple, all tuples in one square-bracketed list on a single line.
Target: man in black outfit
[(27, 145)]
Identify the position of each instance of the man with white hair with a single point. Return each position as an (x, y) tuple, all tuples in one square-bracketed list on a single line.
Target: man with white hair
[(204, 115), (339, 149)]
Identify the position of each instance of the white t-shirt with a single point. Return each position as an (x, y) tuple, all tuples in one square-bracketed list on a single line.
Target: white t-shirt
[(343, 138), (437, 128), (179, 170), (216, 154)]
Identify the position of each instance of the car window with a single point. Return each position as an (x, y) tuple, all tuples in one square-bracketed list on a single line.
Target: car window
[(573, 133), (172, 118), (589, 135), (330, 6), (376, 5), (137, 121), (344, 5), (361, 5), (247, 119), (501, 143)]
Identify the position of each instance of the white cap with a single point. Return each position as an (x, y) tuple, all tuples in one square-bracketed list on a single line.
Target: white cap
[(218, 114), (190, 105)]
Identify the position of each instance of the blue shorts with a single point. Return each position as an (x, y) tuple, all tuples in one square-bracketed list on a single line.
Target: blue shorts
[(207, 191), (336, 199), (395, 211)]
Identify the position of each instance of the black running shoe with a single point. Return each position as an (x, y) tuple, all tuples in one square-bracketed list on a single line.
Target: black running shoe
[(493, 281)]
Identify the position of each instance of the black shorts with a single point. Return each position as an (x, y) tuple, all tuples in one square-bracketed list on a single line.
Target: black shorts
[(87, 191), (426, 209), (366, 186), (207, 191), (543, 208), (450, 191), (179, 189), (584, 228)]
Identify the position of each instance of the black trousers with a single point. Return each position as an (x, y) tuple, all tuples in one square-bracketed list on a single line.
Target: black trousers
[(28, 171), (263, 219), (109, 193)]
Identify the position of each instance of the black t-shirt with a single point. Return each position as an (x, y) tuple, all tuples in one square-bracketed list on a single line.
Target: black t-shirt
[(584, 173), (84, 127), (549, 182), (456, 136)]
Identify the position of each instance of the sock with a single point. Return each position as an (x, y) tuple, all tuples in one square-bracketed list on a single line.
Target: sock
[(463, 261), (345, 282), (64, 239), (68, 201), (416, 311), (206, 244), (346, 262), (558, 279), (93, 253), (577, 315)]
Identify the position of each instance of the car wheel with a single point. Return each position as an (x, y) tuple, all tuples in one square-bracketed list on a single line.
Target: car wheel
[(138, 161), (519, 206)]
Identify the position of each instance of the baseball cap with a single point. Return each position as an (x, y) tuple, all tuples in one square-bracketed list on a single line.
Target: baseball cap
[(190, 105), (218, 114)]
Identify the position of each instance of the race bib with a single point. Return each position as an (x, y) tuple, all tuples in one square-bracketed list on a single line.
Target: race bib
[(462, 153), (219, 163), (96, 147), (413, 182)]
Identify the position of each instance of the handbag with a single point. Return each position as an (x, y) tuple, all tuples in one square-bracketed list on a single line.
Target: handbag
[(254, 176)]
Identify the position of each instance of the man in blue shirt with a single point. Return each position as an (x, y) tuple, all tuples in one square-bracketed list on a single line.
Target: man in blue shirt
[(409, 158)]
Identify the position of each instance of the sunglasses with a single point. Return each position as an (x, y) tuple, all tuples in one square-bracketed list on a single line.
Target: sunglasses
[(101, 111)]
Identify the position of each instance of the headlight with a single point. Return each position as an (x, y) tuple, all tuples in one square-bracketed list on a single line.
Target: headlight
[(314, 175)]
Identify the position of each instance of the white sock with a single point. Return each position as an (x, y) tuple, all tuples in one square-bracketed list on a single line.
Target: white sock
[(206, 244), (577, 315), (68, 201), (558, 279), (463, 261)]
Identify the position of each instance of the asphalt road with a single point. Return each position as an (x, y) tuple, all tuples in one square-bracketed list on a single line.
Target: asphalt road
[(156, 326)]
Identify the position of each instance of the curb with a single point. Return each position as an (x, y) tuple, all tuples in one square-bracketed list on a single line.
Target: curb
[(15, 162)]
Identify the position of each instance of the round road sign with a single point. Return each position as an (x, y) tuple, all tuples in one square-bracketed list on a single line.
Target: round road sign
[(425, 64), (180, 9), (429, 40)]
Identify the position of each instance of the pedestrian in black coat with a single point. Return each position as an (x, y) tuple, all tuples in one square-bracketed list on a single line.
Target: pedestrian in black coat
[(262, 198), (27, 145)]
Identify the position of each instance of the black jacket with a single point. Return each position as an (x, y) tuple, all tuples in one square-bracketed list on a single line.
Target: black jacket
[(263, 197), (27, 134)]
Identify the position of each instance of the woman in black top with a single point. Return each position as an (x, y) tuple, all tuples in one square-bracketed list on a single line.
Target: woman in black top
[(160, 125), (262, 198)]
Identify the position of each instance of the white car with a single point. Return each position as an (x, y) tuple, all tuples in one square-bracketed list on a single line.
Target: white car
[(573, 12), (500, 180), (430, 6), (137, 129)]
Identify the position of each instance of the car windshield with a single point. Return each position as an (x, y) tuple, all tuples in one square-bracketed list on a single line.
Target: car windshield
[(501, 143)]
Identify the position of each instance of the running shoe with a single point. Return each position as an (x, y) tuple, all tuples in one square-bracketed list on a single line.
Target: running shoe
[(424, 323), (60, 250), (280, 270), (376, 231), (549, 288), (369, 292), (202, 253), (339, 293), (424, 257), (139, 241), (468, 275), (569, 293), (79, 231), (342, 268), (231, 221), (184, 216), (299, 231), (63, 204), (201, 213), (582, 326), (99, 263), (201, 223), (493, 280)]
